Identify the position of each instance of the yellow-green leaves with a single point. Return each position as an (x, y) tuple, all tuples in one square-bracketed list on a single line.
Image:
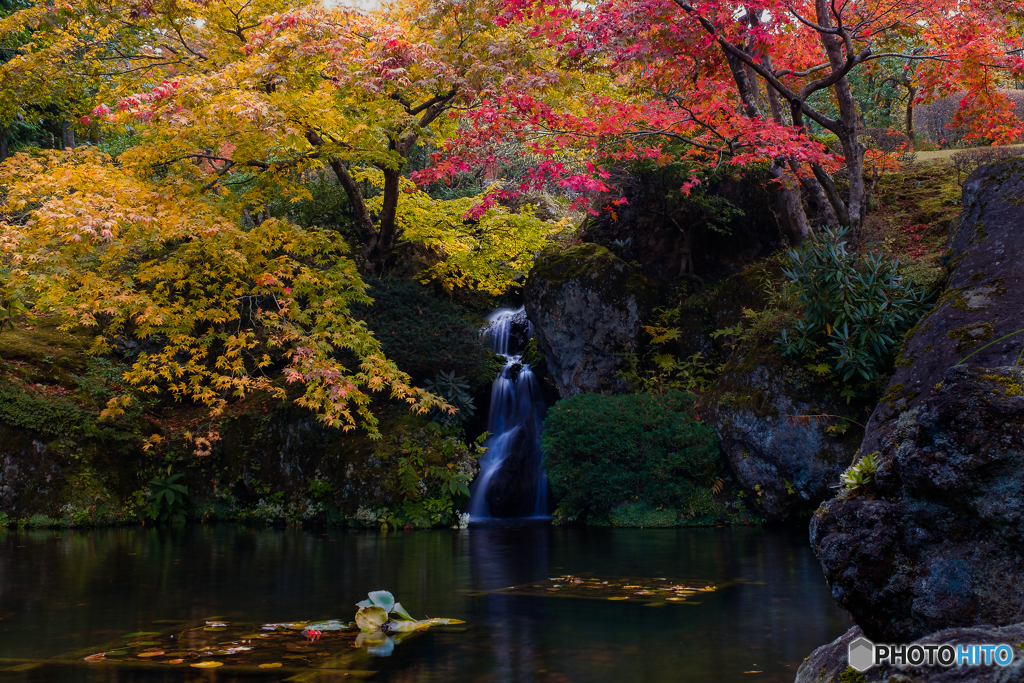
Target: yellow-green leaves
[(215, 307)]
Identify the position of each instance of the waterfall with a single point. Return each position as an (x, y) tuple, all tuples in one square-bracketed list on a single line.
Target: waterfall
[(511, 482)]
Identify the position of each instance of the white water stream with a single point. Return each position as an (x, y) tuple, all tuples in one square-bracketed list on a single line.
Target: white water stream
[(514, 421)]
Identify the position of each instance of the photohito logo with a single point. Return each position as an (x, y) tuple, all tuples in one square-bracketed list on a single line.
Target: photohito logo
[(863, 654)]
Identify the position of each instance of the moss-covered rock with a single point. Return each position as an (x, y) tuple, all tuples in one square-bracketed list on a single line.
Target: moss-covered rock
[(782, 430), (935, 540), (587, 306)]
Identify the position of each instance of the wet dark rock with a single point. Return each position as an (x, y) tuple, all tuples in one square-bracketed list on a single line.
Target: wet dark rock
[(935, 541), (587, 306), (828, 664), (784, 459)]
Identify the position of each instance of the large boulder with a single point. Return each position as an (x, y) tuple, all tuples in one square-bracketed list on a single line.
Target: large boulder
[(935, 540), (829, 663), (587, 306), (779, 431)]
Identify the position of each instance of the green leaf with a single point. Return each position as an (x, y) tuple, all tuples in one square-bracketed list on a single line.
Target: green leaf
[(383, 599), (371, 618)]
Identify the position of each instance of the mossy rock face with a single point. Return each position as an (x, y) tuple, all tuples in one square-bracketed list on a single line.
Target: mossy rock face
[(935, 540), (774, 422), (587, 306)]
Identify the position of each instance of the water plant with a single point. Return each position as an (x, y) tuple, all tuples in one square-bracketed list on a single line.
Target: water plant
[(381, 619)]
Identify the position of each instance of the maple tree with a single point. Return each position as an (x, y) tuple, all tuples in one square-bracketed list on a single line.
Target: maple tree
[(230, 105), (746, 84)]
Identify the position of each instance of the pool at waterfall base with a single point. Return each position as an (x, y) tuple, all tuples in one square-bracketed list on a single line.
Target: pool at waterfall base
[(540, 603)]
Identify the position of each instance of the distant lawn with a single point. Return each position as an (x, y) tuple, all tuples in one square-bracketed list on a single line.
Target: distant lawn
[(945, 154)]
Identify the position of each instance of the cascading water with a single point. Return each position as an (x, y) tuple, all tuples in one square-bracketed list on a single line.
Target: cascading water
[(511, 482)]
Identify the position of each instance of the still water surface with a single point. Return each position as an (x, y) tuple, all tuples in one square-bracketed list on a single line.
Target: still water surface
[(63, 591)]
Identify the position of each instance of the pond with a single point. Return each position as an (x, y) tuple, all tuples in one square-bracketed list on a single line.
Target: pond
[(65, 594)]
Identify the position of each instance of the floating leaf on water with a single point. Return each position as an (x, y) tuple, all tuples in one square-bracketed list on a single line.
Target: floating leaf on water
[(371, 618), (675, 599), (206, 665), (271, 665), (98, 657), (619, 597), (140, 634), (297, 647), (383, 599), (406, 626), (215, 628), (151, 653), (25, 667), (631, 586), (175, 661), (250, 636), (442, 621), (116, 653), (294, 656), (296, 626), (335, 625)]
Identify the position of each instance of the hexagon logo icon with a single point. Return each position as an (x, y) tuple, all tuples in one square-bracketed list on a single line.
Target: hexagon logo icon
[(862, 654)]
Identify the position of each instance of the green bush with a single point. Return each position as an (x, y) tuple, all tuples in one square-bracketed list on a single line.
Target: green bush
[(606, 451), (423, 334), (855, 307)]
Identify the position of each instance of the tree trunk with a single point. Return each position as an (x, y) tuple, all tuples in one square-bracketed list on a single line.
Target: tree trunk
[(3, 143), (67, 135), (847, 118), (377, 250), (911, 94)]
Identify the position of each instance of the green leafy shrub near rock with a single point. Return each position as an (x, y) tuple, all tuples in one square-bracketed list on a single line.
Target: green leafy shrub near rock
[(626, 460), (855, 307)]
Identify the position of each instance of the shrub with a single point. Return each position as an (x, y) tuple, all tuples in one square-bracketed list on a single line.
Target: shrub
[(423, 334), (605, 451), (855, 307)]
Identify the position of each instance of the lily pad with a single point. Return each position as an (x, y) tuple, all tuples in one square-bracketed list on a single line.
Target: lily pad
[(215, 628), (207, 665), (399, 610), (383, 599), (175, 661), (98, 657), (271, 665), (116, 653), (334, 624), (140, 634), (371, 618), (151, 653), (619, 597)]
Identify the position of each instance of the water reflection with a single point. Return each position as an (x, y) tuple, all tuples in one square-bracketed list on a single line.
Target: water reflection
[(65, 590)]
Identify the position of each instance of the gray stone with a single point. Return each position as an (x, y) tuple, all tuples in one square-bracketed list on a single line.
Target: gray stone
[(935, 540), (785, 459), (587, 307)]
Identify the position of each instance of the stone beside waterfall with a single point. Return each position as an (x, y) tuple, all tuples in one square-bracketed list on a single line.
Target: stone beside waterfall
[(588, 307)]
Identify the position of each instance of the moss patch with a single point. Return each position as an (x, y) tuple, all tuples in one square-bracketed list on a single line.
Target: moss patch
[(970, 336)]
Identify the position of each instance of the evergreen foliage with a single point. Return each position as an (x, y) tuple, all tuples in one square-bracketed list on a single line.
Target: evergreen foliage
[(855, 307), (605, 451)]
